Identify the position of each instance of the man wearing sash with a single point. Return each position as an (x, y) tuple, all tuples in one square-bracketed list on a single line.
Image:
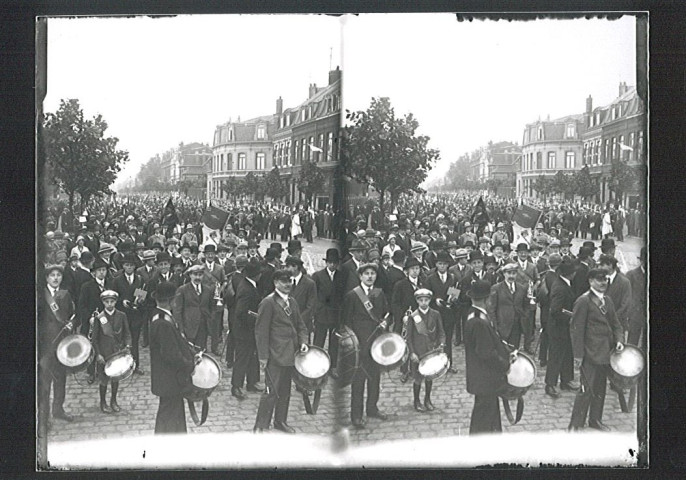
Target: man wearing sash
[(595, 332), (279, 333), (171, 363), (487, 362), (55, 312), (365, 311)]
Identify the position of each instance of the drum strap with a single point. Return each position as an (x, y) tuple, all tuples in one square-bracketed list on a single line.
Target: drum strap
[(311, 408), (508, 411), (54, 308), (194, 414), (366, 302)]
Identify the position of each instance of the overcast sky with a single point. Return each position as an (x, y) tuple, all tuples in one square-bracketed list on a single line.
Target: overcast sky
[(158, 82), (471, 82)]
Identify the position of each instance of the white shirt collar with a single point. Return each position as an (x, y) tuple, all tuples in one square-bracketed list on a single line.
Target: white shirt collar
[(569, 284), (166, 311), (298, 277), (251, 281), (284, 297), (480, 309), (612, 276), (597, 293)]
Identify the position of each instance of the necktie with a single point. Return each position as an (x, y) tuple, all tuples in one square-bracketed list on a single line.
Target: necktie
[(197, 289), (512, 289), (294, 284)]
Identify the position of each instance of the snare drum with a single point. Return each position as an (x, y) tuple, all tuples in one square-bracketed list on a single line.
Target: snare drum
[(520, 378), (433, 365), (626, 367), (75, 352), (348, 356), (205, 378), (389, 351), (311, 368), (119, 366)]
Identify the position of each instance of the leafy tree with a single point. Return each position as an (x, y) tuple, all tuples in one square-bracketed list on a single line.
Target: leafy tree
[(311, 180), (184, 185), (625, 177), (383, 150), (252, 185), (232, 187), (562, 184), (543, 185), (274, 185), (81, 158), (583, 183)]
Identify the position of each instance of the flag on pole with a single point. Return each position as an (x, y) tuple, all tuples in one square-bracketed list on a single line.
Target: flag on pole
[(315, 148), (169, 216), (625, 147), (525, 218), (213, 220), (480, 215)]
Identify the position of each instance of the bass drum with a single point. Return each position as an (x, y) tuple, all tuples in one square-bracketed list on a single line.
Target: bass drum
[(626, 367), (389, 351), (204, 379), (119, 366), (311, 368), (433, 365), (520, 378), (75, 352), (348, 356)]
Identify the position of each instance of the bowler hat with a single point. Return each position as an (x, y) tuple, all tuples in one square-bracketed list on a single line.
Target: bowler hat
[(241, 261), (597, 274), (164, 291), (252, 269), (271, 254), (98, 263), (87, 257), (222, 248), (522, 247), (210, 248), (443, 257), (373, 254), (607, 243), (476, 255), (356, 246), (277, 246), (412, 262), (554, 259), (332, 256), (589, 244), (163, 257), (129, 258), (293, 260), (566, 267), (480, 289), (294, 245)]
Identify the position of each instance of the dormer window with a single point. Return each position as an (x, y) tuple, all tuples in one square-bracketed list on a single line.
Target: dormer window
[(260, 132), (570, 130), (540, 133), (597, 118), (302, 115), (230, 134)]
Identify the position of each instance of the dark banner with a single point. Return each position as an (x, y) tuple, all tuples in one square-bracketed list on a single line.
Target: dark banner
[(526, 217), (215, 218)]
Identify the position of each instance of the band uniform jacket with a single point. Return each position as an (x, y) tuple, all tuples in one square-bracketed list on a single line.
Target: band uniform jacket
[(305, 294), (424, 332), (619, 290), (50, 324), (247, 300), (125, 291), (190, 309), (110, 333), (329, 297), (89, 299), (594, 334), (486, 357), (278, 336), (637, 278), (171, 359), (561, 297), (355, 315), (506, 308), (403, 299)]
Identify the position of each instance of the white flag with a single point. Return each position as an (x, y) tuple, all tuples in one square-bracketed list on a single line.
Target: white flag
[(315, 149), (625, 147)]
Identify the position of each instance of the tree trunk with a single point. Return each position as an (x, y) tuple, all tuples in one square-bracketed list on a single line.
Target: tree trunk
[(382, 194), (71, 209)]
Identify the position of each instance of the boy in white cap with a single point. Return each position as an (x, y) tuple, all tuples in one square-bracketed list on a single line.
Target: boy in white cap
[(424, 334)]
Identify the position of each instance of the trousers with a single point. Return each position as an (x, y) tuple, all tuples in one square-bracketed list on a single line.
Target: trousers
[(368, 374), (246, 366), (276, 398), (171, 415), (320, 334), (590, 399), (560, 358), (485, 415)]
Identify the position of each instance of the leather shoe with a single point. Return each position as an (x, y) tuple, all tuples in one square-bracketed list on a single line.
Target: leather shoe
[(418, 406), (63, 416), (255, 388), (552, 391), (378, 414), (405, 377), (229, 364), (91, 379), (144, 345), (452, 370), (138, 371), (114, 405), (258, 430), (599, 426), (543, 363), (284, 427), (358, 423), (428, 405), (238, 393), (104, 408), (334, 373), (569, 386)]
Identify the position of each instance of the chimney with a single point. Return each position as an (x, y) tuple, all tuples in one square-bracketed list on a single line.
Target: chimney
[(313, 90), (334, 75), (279, 106), (622, 88), (589, 104)]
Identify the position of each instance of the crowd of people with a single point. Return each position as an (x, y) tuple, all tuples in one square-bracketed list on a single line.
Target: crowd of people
[(127, 281)]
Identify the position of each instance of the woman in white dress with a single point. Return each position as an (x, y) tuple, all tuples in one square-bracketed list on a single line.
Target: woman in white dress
[(606, 224), (295, 226)]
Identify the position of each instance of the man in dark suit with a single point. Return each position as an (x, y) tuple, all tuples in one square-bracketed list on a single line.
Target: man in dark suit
[(618, 289), (487, 362), (584, 264), (193, 307), (367, 324), (330, 284), (637, 319), (279, 333), (460, 270), (146, 271), (215, 280), (271, 265), (246, 305), (403, 300), (439, 283), (233, 281), (125, 285), (171, 363), (304, 291), (358, 250), (55, 321), (396, 271), (596, 332), (560, 359), (509, 307)]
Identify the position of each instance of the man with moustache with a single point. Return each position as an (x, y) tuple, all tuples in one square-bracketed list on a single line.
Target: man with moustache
[(330, 285)]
